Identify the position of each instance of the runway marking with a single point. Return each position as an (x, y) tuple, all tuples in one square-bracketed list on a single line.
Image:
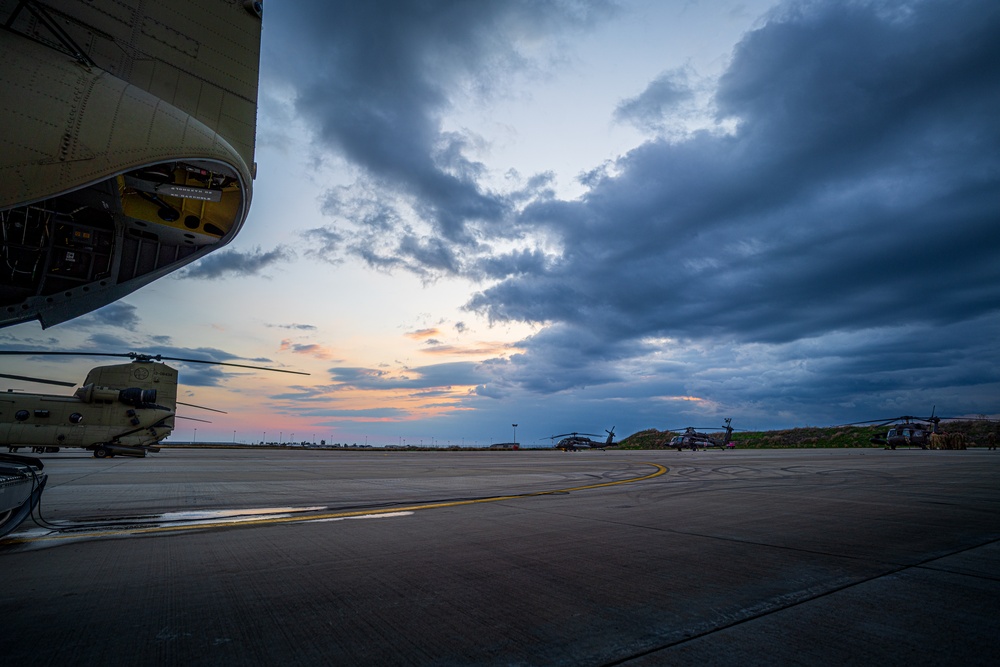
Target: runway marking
[(285, 518)]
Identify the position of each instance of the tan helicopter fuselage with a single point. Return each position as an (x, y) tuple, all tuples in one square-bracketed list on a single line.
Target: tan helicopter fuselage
[(130, 405)]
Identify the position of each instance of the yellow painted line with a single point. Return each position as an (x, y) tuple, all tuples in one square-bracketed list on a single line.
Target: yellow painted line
[(660, 470)]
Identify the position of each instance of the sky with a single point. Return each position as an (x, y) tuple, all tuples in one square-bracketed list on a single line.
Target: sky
[(576, 215)]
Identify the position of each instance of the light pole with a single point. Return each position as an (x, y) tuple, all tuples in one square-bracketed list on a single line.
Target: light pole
[(195, 436), (515, 433), (234, 437), (263, 440)]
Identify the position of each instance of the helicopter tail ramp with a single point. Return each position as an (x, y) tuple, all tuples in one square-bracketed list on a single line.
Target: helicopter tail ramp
[(127, 149), (21, 484)]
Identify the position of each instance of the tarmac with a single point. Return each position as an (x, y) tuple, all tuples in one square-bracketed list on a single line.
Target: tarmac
[(301, 557)]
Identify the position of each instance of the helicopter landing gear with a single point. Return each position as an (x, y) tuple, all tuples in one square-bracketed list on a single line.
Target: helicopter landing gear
[(100, 452)]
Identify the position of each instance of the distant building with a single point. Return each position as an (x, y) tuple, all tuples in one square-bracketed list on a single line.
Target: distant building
[(505, 445)]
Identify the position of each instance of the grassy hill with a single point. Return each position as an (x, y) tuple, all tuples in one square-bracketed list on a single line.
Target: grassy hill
[(811, 437)]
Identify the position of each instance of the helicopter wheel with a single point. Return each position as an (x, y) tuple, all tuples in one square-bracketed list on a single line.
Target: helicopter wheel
[(100, 452)]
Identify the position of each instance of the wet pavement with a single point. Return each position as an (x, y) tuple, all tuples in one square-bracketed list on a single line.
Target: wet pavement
[(534, 558)]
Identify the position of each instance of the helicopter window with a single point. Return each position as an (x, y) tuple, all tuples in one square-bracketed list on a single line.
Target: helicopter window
[(21, 415), (41, 413), (75, 418)]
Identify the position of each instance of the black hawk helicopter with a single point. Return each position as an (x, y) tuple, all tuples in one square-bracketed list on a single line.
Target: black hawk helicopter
[(123, 409), (907, 430), (692, 439), (573, 441)]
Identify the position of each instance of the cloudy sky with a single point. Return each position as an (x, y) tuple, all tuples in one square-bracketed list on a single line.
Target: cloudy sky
[(573, 215)]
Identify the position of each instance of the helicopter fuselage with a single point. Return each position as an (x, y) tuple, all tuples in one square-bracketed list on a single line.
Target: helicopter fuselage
[(693, 442), (39, 420), (120, 409), (902, 435)]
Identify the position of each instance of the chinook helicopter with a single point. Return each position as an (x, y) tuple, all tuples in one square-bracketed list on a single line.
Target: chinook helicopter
[(573, 441), (123, 409), (692, 439), (127, 149)]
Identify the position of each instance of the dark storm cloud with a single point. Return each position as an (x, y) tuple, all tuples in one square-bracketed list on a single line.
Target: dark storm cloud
[(236, 263), (561, 357), (653, 106), (859, 189), (374, 79), (838, 251), (837, 245), (118, 314)]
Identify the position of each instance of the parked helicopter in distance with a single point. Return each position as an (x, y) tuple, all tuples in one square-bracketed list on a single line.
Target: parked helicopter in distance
[(124, 409), (571, 442), (906, 431), (127, 149), (692, 439)]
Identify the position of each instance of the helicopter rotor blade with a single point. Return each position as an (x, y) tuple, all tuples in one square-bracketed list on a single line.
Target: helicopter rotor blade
[(193, 419), (138, 356), (25, 378), (202, 407), (157, 357), (41, 353), (879, 422)]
